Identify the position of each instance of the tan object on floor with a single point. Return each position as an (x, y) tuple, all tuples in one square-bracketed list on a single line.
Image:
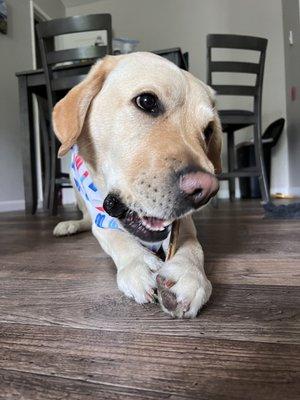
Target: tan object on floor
[(165, 297), (283, 196), (173, 240)]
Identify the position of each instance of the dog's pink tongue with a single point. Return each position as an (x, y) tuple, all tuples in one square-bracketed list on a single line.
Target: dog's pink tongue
[(154, 222)]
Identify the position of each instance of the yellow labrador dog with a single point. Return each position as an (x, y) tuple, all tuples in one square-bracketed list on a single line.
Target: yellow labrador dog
[(150, 137)]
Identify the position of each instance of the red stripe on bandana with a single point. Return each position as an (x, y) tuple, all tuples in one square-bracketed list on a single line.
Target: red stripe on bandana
[(78, 161)]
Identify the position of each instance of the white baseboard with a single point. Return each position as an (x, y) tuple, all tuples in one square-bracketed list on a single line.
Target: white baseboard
[(295, 190), (17, 205), (12, 205), (224, 193), (280, 189)]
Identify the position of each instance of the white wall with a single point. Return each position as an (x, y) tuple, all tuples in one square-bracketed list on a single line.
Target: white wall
[(16, 55), (162, 24), (157, 24), (291, 18)]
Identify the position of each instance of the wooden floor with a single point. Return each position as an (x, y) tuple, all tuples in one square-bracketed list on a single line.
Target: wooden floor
[(66, 332)]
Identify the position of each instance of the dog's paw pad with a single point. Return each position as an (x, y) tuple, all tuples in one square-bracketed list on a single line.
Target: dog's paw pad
[(184, 298), (166, 298)]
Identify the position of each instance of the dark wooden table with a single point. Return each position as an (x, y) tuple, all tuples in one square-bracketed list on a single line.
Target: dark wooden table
[(33, 82)]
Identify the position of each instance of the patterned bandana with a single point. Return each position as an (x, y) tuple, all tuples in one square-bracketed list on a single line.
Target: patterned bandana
[(93, 198)]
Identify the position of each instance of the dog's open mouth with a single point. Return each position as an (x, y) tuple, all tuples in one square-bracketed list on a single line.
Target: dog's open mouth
[(146, 228)]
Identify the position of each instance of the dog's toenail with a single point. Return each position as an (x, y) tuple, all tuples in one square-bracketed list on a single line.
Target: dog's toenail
[(159, 280), (149, 298), (168, 283)]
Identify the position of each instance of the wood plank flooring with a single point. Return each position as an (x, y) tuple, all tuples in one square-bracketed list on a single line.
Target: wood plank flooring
[(66, 332)]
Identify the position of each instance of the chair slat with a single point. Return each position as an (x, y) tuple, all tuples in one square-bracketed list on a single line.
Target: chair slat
[(82, 23), (235, 90), (81, 53), (237, 42), (239, 173), (234, 66), (66, 82)]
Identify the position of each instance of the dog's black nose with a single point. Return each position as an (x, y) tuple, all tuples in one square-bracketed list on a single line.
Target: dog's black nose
[(114, 206), (198, 187)]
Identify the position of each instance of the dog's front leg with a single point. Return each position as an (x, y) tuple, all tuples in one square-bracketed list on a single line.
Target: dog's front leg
[(136, 266), (184, 274)]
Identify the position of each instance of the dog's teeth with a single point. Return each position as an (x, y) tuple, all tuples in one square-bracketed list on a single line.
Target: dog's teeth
[(166, 223), (150, 227)]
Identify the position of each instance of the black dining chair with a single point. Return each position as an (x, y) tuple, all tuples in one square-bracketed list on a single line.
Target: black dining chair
[(236, 119), (176, 56), (55, 180)]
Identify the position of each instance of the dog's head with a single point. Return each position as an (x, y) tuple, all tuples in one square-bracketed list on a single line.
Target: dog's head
[(151, 135)]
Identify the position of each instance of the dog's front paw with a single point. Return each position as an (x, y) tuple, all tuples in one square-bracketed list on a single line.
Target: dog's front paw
[(183, 292), (137, 279), (66, 228)]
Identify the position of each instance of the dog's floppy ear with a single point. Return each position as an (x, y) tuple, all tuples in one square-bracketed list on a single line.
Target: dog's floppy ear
[(69, 113), (215, 144)]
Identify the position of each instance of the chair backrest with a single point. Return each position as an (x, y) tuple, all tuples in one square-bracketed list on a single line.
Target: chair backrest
[(222, 41), (48, 30), (175, 55)]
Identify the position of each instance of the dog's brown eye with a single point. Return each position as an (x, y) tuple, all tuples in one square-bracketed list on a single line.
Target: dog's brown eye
[(208, 131), (148, 102)]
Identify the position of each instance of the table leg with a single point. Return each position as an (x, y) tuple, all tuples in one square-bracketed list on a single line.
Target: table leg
[(231, 163), (28, 146)]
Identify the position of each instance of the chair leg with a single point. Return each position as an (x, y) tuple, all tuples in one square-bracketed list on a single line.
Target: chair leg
[(259, 158), (52, 197), (55, 200), (46, 155), (53, 175), (231, 163)]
